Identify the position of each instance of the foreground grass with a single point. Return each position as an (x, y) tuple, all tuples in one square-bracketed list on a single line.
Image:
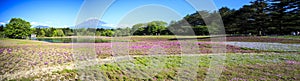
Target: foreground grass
[(236, 67)]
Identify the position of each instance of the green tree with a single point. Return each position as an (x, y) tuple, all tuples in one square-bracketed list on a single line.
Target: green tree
[(196, 19), (49, 32), (107, 33), (58, 32), (251, 18), (201, 30), (17, 28), (293, 15), (284, 15), (98, 33), (84, 32), (68, 31), (242, 21), (180, 27), (42, 33), (138, 29), (1, 28), (156, 27), (259, 16), (228, 18), (1, 31)]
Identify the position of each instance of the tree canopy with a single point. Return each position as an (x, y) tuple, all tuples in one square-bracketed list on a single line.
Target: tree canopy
[(17, 28)]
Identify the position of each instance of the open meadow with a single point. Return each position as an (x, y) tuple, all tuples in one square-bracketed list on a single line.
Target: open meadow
[(40, 60), (150, 40)]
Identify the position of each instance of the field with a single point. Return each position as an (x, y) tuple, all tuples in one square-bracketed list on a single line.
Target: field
[(150, 58), (104, 40), (287, 37)]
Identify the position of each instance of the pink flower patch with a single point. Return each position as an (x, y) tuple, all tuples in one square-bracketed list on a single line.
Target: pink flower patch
[(238, 79), (292, 62)]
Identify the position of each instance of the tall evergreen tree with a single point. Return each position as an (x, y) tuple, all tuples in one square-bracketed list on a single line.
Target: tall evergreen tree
[(293, 16), (242, 20), (1, 28), (228, 19), (278, 12), (259, 16)]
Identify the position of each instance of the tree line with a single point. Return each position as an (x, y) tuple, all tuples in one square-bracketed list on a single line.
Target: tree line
[(60, 32), (263, 17), (260, 17)]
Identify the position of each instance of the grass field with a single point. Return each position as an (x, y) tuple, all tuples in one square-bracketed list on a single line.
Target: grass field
[(6, 41), (237, 67), (36, 60)]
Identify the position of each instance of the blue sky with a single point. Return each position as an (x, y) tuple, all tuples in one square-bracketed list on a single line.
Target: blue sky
[(63, 13)]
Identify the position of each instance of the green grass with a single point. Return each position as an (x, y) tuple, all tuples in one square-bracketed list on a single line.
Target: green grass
[(241, 67), (24, 79), (236, 67), (7, 41), (286, 37)]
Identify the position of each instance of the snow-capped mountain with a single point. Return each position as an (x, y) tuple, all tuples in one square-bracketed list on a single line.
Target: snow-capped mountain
[(92, 23)]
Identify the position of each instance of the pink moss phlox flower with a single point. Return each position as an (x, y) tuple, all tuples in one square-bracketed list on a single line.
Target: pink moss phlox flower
[(292, 62)]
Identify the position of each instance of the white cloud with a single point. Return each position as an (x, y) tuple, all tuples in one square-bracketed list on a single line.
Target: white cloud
[(110, 25), (2, 23), (65, 26), (117, 25), (33, 23), (37, 23)]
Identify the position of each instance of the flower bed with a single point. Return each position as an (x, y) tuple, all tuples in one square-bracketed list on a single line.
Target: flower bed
[(258, 39)]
